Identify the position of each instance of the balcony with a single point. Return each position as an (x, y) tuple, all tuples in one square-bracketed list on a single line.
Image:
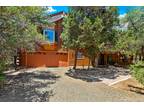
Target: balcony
[(50, 47)]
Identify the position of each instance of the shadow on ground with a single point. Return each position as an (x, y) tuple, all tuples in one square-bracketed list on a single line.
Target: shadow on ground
[(96, 74), (28, 87)]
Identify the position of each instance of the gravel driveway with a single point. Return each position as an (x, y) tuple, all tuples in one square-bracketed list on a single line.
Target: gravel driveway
[(52, 84), (68, 89)]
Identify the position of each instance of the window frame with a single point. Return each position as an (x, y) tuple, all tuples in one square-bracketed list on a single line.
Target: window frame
[(82, 56), (51, 30)]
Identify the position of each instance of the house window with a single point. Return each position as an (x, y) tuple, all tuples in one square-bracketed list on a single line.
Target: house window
[(56, 36), (49, 34), (80, 55)]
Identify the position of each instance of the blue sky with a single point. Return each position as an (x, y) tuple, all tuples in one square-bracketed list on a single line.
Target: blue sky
[(122, 9), (55, 9)]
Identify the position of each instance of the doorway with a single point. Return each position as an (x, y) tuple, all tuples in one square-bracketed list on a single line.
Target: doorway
[(101, 59)]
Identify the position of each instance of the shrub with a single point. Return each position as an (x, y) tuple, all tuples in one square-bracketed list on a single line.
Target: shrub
[(138, 71)]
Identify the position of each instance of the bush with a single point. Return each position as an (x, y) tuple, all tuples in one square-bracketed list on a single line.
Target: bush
[(138, 71)]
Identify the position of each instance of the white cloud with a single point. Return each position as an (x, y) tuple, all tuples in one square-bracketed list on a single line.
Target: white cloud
[(122, 15), (51, 9)]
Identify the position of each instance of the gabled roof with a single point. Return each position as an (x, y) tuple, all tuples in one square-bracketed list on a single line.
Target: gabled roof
[(56, 17)]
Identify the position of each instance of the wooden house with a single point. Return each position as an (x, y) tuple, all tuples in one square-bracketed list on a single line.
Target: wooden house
[(51, 54)]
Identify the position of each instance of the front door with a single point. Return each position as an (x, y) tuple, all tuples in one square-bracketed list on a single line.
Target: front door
[(101, 59)]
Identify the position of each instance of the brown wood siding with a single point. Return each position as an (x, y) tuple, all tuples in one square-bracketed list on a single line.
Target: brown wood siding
[(58, 28), (80, 62), (40, 59)]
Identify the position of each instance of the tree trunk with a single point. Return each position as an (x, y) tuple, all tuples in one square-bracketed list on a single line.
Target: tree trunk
[(89, 64), (75, 59), (93, 61)]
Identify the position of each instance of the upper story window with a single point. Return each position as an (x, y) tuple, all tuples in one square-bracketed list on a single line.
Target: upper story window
[(49, 34)]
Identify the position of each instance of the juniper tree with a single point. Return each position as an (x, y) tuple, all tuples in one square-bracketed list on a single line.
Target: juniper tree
[(98, 29), (89, 28), (71, 32), (131, 40), (19, 29)]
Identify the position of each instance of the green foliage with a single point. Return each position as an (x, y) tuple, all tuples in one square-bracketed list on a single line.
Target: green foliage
[(89, 28), (126, 42), (71, 32), (138, 71), (131, 39), (70, 35), (19, 30)]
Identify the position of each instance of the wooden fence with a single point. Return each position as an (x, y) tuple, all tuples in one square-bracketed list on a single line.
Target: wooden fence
[(43, 58)]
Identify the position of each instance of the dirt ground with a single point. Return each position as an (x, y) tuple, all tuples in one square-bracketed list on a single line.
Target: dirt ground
[(28, 85), (130, 85), (54, 85)]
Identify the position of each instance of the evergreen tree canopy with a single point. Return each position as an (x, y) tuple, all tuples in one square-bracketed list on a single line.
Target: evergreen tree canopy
[(19, 29), (89, 28)]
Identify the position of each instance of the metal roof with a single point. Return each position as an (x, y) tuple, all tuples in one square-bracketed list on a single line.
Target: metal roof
[(57, 17)]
